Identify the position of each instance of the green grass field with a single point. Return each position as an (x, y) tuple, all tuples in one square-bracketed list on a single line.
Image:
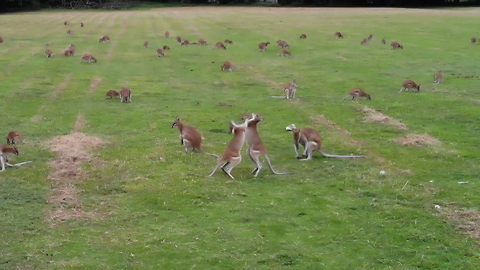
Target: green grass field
[(130, 203)]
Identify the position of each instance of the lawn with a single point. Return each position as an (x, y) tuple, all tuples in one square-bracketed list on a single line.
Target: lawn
[(110, 186)]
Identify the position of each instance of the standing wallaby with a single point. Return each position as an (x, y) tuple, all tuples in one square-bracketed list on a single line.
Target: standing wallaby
[(290, 89), (357, 92), (49, 53), (438, 77), (5, 152), (338, 35), (409, 84), (190, 137), (178, 39), (81, 24), (364, 41), (125, 95), (303, 36), (202, 42), (146, 44), (384, 41), (167, 34), (227, 66), (263, 46), (220, 45), (282, 43)]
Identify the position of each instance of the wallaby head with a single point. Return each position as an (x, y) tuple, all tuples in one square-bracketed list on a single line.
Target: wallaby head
[(176, 122), (291, 127)]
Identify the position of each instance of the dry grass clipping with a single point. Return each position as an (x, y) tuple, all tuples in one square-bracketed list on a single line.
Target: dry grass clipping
[(374, 116), (467, 221), (417, 140)]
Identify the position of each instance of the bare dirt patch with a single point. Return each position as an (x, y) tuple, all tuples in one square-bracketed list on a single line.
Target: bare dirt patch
[(374, 116), (417, 140), (80, 123), (61, 87), (467, 221), (95, 83)]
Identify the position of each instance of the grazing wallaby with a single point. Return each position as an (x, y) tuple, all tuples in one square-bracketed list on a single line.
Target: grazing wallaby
[(396, 45), (228, 41), (178, 39), (112, 94), (167, 34), (303, 36), (166, 48), (66, 23), (263, 46), (256, 148), (1, 40), (89, 58), (125, 95), (473, 40), (202, 42), (71, 47), (146, 44), (370, 37), (283, 44), (357, 92), (69, 32), (49, 53), (160, 53), (190, 137), (81, 24), (220, 45), (231, 156), (438, 77), (311, 141), (284, 52), (13, 136), (290, 89), (5, 152), (338, 35), (227, 66), (69, 53), (409, 84), (364, 42), (384, 41), (104, 39), (185, 43)]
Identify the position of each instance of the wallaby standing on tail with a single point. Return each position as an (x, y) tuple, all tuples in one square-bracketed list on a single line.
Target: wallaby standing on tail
[(338, 35), (303, 36), (284, 52), (160, 53), (438, 77), (49, 53), (167, 34), (220, 45), (263, 46), (112, 94), (166, 48), (311, 141), (409, 84), (227, 66), (232, 156), (13, 136), (256, 148), (357, 92), (396, 45), (125, 95), (473, 40), (146, 44), (202, 42), (178, 39), (190, 137), (290, 89)]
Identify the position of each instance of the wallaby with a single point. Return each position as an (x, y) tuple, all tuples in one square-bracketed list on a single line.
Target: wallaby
[(364, 42), (13, 136), (89, 58), (370, 37), (438, 77), (357, 92), (283, 44), (311, 141), (146, 44), (473, 40), (256, 148), (202, 42), (384, 41), (66, 23), (125, 95), (185, 43), (219, 45), (5, 152), (49, 53), (409, 84), (81, 24), (290, 89), (178, 39), (396, 45), (69, 32), (338, 35), (284, 52), (303, 36), (228, 41), (190, 137), (112, 94), (104, 39), (1, 40), (263, 46), (69, 53), (227, 66), (232, 156), (167, 34), (160, 53), (166, 48)]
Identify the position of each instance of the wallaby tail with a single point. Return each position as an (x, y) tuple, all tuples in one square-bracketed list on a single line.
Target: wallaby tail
[(338, 156), (273, 170), (345, 97), (210, 154)]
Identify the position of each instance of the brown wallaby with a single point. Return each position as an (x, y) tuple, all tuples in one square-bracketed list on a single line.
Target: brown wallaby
[(409, 84)]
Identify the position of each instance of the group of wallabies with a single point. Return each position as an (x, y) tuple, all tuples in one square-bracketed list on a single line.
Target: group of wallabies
[(247, 133)]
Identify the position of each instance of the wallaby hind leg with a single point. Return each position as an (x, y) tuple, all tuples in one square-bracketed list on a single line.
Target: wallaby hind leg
[(233, 163)]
